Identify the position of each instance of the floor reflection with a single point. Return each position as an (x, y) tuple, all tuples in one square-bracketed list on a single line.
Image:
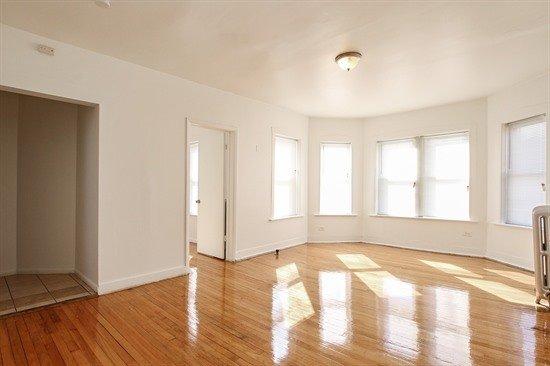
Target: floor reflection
[(450, 268), (290, 305), (193, 318), (335, 300), (516, 276), (357, 261), (384, 284), (505, 292), (287, 274), (452, 311)]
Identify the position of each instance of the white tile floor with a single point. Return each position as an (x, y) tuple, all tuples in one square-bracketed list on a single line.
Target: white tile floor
[(26, 291)]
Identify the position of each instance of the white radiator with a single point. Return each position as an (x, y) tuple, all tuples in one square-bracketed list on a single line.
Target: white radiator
[(541, 241)]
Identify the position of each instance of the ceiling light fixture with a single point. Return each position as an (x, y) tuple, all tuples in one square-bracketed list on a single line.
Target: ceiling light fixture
[(103, 3), (348, 60)]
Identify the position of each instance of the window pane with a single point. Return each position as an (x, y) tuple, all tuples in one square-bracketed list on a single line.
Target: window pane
[(335, 177), (446, 174), (526, 169), (193, 178), (285, 175), (397, 175)]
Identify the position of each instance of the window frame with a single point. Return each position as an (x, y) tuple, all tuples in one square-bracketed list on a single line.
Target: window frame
[(505, 161), (350, 144), (419, 183), (298, 176)]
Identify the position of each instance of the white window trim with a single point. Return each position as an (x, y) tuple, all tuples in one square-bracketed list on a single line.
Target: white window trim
[(274, 135), (505, 159), (319, 213), (419, 199)]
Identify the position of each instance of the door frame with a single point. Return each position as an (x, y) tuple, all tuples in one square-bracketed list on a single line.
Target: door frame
[(231, 220)]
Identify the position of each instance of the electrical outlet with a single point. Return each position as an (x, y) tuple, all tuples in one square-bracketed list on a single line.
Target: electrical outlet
[(47, 50)]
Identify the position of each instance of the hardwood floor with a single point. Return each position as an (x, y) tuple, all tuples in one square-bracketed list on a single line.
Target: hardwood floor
[(314, 304)]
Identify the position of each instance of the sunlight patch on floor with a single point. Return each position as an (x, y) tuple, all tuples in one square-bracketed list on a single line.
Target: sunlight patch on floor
[(297, 305), (450, 268), (505, 292), (386, 285), (357, 261), (516, 276), (288, 273)]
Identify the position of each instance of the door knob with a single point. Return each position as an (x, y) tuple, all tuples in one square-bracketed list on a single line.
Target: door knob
[(198, 201)]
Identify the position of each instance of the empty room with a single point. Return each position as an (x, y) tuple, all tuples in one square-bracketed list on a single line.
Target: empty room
[(274, 182)]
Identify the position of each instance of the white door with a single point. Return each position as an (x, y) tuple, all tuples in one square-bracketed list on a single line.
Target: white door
[(211, 215)]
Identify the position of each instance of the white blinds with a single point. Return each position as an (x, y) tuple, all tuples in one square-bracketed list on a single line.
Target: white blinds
[(425, 176), (445, 178), (193, 178), (335, 179), (525, 169), (397, 178), (285, 177)]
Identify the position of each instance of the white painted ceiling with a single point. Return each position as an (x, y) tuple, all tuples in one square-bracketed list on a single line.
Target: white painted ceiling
[(416, 54)]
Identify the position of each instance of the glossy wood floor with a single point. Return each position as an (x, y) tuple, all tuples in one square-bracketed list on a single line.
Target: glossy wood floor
[(314, 304)]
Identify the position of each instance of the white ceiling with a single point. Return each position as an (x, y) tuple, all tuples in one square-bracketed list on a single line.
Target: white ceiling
[(415, 54)]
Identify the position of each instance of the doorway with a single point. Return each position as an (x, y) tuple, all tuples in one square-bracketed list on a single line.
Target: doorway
[(211, 189)]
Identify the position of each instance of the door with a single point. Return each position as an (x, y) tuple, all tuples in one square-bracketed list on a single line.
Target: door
[(211, 212)]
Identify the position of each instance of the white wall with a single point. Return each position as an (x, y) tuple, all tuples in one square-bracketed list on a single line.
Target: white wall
[(46, 185), (9, 116), (508, 243), (335, 228), (458, 237), (142, 154), (87, 194)]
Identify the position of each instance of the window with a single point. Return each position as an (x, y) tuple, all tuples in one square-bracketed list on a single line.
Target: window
[(335, 179), (446, 172), (193, 178), (285, 177), (426, 176), (524, 169), (397, 178)]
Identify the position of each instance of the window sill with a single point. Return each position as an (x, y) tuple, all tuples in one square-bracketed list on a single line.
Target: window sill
[(512, 226), (424, 218), (335, 215), (285, 217)]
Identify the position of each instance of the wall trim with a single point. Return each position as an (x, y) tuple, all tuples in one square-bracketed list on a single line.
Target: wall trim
[(89, 282), (142, 279), (463, 251), (510, 260), (45, 270), (501, 258), (8, 273), (266, 248), (336, 241)]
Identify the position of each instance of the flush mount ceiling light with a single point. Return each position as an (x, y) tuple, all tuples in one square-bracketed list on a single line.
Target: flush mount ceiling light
[(348, 60), (103, 3)]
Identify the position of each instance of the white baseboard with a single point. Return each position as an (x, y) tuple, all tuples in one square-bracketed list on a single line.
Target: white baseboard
[(340, 240), (469, 252), (8, 273), (266, 248), (510, 260), (89, 282), (134, 281), (45, 270)]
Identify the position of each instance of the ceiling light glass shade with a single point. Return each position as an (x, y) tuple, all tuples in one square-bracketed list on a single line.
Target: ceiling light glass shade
[(103, 3), (348, 60)]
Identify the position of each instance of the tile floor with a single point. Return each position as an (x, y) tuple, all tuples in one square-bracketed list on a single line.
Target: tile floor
[(26, 291)]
